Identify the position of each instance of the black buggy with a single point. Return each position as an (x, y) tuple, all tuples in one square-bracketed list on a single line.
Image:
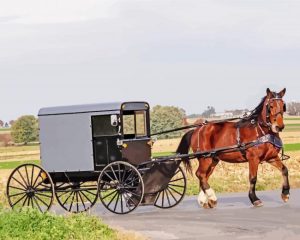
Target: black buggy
[(97, 151)]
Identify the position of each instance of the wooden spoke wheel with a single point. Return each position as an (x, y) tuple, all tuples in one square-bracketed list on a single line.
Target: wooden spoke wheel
[(76, 197), (174, 191), (120, 187), (30, 185)]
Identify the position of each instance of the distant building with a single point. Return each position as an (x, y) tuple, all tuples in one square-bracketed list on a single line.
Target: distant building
[(223, 115)]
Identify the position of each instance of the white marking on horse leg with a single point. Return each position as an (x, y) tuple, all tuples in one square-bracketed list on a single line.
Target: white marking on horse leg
[(202, 198), (211, 194)]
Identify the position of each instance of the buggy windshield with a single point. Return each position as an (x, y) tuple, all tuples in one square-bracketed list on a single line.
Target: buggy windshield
[(134, 124)]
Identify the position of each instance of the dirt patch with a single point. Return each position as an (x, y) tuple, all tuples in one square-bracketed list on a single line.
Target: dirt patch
[(166, 145)]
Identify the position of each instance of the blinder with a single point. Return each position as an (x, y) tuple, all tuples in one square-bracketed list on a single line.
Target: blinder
[(268, 108)]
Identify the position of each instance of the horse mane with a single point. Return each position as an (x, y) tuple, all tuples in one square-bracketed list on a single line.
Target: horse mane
[(254, 114), (256, 111)]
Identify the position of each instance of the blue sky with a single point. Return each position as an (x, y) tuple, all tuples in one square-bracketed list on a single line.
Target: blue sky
[(187, 53)]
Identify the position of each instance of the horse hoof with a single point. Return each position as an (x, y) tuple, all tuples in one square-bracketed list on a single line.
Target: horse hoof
[(285, 198), (258, 203), (205, 206), (212, 203)]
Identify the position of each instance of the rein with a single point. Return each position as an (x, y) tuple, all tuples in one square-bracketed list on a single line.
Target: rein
[(196, 125)]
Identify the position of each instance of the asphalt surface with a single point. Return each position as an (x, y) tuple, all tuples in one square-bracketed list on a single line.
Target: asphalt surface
[(234, 218)]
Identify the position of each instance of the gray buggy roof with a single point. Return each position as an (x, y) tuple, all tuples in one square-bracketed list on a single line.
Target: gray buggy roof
[(86, 108)]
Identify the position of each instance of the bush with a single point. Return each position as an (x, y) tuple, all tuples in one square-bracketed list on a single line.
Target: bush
[(31, 224), (25, 129)]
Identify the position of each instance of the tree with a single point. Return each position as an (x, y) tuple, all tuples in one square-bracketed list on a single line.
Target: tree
[(1, 123), (209, 112), (165, 118), (293, 108), (11, 122), (25, 129)]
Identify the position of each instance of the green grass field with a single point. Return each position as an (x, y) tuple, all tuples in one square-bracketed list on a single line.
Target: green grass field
[(31, 224), (292, 147), (292, 127), (292, 119), (14, 164), (4, 129)]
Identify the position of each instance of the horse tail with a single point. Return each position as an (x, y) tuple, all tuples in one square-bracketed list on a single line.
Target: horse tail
[(183, 148)]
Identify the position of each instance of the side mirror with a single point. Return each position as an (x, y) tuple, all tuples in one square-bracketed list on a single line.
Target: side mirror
[(114, 120)]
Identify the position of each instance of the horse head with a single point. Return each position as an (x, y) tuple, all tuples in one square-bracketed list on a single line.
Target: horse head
[(274, 108)]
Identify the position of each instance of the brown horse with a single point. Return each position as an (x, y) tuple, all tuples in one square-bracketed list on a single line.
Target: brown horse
[(260, 128)]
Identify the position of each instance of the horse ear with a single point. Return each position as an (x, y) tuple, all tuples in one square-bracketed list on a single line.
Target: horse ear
[(268, 92), (282, 92)]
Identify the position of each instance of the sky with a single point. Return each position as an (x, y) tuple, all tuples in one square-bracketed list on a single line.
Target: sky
[(188, 53)]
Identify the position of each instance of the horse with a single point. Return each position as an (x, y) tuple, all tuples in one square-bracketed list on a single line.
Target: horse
[(256, 140)]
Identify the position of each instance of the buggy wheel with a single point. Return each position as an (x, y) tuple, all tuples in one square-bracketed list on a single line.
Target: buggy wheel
[(120, 187), (30, 185), (76, 197), (174, 191)]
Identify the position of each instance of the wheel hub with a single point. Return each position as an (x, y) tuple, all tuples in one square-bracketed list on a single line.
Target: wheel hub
[(30, 191), (120, 188)]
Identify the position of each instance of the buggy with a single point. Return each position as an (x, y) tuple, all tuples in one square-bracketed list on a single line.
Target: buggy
[(97, 151)]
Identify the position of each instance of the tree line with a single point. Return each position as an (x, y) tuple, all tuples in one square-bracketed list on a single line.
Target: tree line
[(25, 128), (293, 108)]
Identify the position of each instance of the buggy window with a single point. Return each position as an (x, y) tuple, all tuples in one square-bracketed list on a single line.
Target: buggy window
[(140, 123), (102, 126), (134, 124), (128, 124)]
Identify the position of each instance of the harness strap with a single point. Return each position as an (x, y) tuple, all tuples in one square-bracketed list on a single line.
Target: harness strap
[(240, 145)]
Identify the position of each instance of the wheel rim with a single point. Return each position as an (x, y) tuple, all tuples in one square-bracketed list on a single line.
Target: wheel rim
[(174, 192), (76, 196), (30, 186), (120, 187)]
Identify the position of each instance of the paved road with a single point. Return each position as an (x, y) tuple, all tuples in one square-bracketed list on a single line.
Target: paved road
[(233, 218)]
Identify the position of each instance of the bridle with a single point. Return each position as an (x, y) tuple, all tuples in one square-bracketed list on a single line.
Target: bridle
[(268, 108)]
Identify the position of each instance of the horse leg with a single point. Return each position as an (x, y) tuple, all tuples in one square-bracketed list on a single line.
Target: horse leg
[(285, 195), (253, 167), (207, 197), (212, 198)]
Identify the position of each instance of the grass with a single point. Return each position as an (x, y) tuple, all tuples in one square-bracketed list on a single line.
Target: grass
[(31, 224), (19, 148), (292, 119), (4, 129), (291, 147), (162, 154), (293, 127), (14, 164)]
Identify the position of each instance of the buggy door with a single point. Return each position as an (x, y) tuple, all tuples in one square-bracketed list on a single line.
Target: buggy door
[(105, 135), (136, 132)]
